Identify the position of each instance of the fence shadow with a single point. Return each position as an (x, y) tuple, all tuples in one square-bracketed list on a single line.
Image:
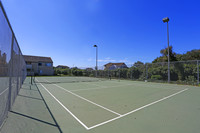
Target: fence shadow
[(30, 117)]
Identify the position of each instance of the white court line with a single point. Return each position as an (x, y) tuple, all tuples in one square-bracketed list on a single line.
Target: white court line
[(96, 85), (4, 91), (97, 88), (100, 124), (65, 107), (105, 122), (86, 99)]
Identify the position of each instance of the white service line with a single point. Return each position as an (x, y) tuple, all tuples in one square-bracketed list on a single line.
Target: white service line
[(4, 91), (65, 107), (86, 99), (95, 88), (100, 124), (97, 85), (101, 87)]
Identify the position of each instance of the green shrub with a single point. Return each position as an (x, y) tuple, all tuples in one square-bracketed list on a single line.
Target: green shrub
[(156, 77)]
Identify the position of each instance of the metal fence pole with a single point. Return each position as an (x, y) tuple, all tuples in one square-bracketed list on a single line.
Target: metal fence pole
[(10, 76), (168, 53), (131, 73), (146, 71), (96, 61), (197, 72), (119, 74)]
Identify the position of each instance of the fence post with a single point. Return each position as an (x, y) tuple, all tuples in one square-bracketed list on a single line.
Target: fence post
[(10, 75), (131, 73), (197, 72), (119, 74), (146, 71)]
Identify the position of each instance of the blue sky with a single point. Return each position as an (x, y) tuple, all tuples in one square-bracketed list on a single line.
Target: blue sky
[(124, 30)]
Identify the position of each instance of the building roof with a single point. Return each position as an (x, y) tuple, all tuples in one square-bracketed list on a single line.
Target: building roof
[(62, 66), (117, 64), (29, 58)]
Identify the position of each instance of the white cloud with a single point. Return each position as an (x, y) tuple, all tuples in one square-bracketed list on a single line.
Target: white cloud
[(124, 60), (90, 59), (106, 60)]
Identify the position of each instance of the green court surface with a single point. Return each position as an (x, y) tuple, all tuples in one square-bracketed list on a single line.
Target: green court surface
[(121, 106), (112, 106)]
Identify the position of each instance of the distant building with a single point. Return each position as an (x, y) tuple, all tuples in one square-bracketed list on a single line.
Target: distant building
[(89, 69), (113, 66), (38, 65), (62, 67)]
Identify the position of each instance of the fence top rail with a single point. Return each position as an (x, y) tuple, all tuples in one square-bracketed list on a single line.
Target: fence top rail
[(175, 62)]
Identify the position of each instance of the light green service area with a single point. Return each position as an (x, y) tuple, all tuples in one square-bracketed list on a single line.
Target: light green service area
[(104, 106)]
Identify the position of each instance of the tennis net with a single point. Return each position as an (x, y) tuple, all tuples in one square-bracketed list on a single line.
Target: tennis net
[(67, 79)]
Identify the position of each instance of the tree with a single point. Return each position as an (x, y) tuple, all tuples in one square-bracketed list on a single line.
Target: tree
[(164, 57), (138, 63), (190, 55)]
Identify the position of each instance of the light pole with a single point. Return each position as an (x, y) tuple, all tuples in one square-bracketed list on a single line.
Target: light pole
[(96, 59), (167, 20)]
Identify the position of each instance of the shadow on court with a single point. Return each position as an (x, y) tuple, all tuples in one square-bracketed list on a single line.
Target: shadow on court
[(30, 113)]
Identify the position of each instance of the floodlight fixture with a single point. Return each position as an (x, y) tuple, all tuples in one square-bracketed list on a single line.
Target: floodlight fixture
[(166, 19)]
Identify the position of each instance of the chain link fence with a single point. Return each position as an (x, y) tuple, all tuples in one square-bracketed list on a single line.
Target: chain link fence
[(12, 66), (181, 72)]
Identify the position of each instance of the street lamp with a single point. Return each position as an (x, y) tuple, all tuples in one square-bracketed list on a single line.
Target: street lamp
[(167, 20), (96, 58)]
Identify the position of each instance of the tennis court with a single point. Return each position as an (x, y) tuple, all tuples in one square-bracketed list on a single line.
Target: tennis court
[(82, 104)]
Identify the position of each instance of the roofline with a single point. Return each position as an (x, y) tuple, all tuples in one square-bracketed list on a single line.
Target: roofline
[(37, 56), (51, 61), (115, 63)]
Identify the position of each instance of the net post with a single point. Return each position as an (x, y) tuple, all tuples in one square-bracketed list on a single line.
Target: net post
[(197, 72), (31, 79), (31, 75)]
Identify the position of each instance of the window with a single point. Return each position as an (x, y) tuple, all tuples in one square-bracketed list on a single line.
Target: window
[(48, 64), (39, 64)]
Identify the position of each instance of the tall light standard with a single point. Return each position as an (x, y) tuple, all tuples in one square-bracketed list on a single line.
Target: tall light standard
[(96, 59), (167, 20)]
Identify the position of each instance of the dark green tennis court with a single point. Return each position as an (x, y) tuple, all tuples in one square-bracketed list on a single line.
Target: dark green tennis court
[(91, 105)]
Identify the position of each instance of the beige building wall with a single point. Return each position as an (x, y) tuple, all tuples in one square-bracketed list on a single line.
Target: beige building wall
[(45, 70), (37, 65), (41, 69)]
